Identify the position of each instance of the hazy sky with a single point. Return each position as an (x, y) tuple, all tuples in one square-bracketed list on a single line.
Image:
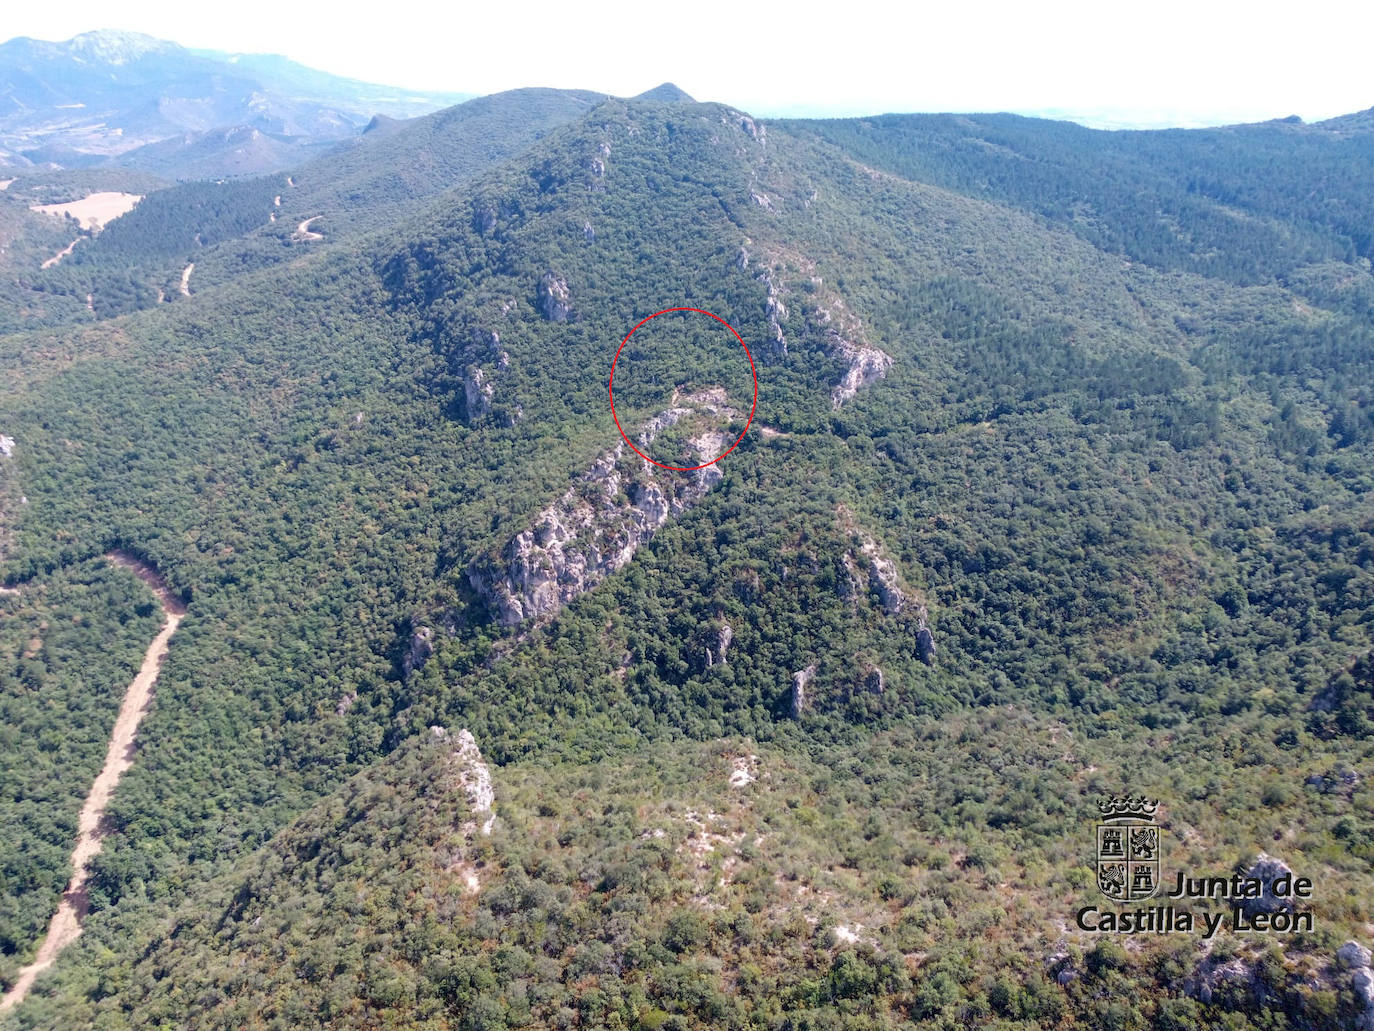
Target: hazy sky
[(1185, 63)]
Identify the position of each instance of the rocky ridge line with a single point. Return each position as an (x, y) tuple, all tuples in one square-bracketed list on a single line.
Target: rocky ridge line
[(598, 524)]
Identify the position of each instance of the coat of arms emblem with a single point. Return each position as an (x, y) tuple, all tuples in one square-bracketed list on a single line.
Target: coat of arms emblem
[(1128, 848)]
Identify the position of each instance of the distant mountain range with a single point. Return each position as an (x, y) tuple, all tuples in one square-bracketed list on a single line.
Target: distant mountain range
[(127, 98)]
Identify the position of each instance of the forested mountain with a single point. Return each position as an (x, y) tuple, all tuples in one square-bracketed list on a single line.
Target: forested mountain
[(1056, 488), (103, 95)]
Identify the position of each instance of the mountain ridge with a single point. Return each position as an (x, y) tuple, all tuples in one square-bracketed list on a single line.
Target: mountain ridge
[(1122, 488)]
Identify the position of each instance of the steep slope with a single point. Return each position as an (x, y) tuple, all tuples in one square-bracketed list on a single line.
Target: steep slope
[(1128, 508)]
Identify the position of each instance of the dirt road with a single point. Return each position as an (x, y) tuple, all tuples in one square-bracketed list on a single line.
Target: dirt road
[(66, 922)]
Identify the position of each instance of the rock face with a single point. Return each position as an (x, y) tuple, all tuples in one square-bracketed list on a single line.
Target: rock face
[(925, 645), (477, 393), (883, 576), (418, 651), (845, 337), (716, 653), (777, 314), (475, 776), (554, 300), (723, 639), (866, 365), (800, 680), (1362, 983), (874, 681), (597, 525), (1265, 869), (1352, 956)]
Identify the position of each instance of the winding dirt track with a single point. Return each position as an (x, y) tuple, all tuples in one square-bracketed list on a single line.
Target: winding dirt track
[(66, 922)]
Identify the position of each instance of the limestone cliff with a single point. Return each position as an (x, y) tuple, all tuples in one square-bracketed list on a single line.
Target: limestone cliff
[(826, 315), (596, 526)]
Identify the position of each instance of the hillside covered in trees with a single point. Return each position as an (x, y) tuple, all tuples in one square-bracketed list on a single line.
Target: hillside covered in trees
[(1057, 488)]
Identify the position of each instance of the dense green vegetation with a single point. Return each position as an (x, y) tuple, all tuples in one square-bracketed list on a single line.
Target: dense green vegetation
[(1133, 498), (1236, 203)]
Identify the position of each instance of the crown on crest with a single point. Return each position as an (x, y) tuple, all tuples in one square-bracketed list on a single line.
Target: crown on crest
[(1141, 806)]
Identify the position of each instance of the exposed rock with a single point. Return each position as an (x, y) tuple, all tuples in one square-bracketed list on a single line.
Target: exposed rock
[(723, 639), (484, 220), (554, 298), (604, 148), (866, 365), (597, 525), (800, 680), (418, 650), (777, 313), (1362, 983), (1352, 956), (6, 446), (761, 199), (846, 340), (588, 233), (596, 167), (925, 645), (742, 258), (883, 576), (477, 392), (874, 682), (1211, 976), (749, 127), (1265, 869), (743, 773), (475, 776)]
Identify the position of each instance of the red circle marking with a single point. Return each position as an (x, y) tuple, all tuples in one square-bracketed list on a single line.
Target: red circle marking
[(611, 388)]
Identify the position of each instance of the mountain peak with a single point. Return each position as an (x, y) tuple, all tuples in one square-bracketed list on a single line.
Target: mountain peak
[(112, 46), (666, 93)]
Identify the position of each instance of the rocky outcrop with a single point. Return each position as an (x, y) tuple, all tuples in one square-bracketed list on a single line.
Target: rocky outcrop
[(883, 577), (777, 314), (801, 680), (875, 682), (1231, 979), (1355, 958), (1266, 869), (588, 232), (6, 446), (477, 393), (554, 298), (474, 776), (1352, 956), (864, 363), (717, 653), (418, 650), (845, 338), (751, 128), (925, 645), (596, 527)]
